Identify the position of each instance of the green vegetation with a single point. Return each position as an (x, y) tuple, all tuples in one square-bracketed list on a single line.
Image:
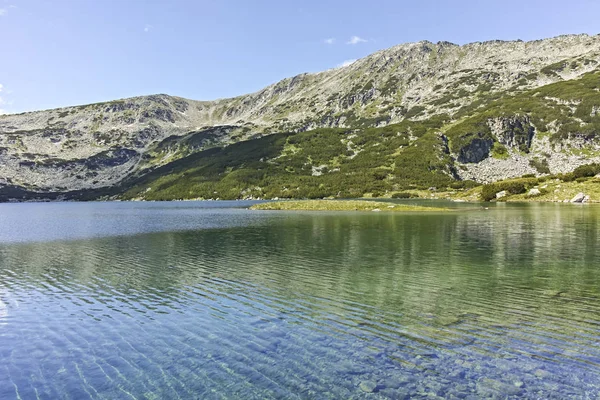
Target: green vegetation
[(341, 205), (500, 151), (378, 162), (583, 171), (343, 163), (553, 69), (535, 108), (513, 186), (403, 195), (540, 165), (559, 187)]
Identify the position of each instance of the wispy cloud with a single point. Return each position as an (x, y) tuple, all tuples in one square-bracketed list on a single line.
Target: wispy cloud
[(329, 41), (4, 11), (356, 40), (346, 63), (148, 27)]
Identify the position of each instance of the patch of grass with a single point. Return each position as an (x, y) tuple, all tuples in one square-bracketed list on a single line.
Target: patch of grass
[(403, 195), (499, 151)]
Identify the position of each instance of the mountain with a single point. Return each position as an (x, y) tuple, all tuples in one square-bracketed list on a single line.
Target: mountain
[(415, 115)]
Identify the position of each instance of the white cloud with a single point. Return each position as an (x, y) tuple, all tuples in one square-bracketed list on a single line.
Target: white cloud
[(148, 27), (1, 86), (356, 40), (346, 63), (329, 41), (3, 11)]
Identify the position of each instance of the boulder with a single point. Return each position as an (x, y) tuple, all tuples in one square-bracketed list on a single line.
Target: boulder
[(534, 192), (579, 197), (501, 194), (368, 386)]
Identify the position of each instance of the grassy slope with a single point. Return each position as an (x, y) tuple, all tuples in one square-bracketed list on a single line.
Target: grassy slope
[(354, 162)]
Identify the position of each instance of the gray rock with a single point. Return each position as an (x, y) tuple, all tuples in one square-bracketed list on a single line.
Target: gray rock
[(534, 192), (579, 197), (501, 194), (541, 373), (368, 386)]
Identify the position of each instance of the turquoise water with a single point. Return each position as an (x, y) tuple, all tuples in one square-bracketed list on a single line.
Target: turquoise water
[(210, 300)]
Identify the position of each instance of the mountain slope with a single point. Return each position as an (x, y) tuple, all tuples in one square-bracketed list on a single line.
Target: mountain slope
[(482, 111), (552, 129)]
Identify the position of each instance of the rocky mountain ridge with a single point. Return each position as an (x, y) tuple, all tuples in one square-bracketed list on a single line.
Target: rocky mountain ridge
[(101, 145)]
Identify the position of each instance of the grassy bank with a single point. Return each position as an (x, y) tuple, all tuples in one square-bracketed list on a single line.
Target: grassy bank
[(341, 205), (542, 189)]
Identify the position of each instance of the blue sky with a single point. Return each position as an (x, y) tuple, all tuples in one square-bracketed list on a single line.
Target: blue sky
[(65, 52)]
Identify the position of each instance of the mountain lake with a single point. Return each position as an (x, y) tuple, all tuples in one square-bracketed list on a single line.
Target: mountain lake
[(182, 300)]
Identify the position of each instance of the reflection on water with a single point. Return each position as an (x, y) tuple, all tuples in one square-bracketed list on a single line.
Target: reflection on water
[(486, 303)]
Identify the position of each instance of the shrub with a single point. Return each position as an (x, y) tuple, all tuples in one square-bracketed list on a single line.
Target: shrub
[(401, 195), (586, 171), (540, 166), (488, 192), (568, 177), (517, 186), (468, 184)]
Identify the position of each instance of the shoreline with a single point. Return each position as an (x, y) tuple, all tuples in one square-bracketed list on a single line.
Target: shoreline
[(342, 205), (511, 199)]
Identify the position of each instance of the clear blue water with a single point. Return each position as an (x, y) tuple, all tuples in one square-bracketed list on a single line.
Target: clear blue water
[(210, 300)]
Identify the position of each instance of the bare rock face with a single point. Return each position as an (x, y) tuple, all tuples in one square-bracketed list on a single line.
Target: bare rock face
[(515, 132), (100, 145), (477, 150)]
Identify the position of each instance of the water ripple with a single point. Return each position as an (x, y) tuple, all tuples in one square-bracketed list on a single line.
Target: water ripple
[(309, 306)]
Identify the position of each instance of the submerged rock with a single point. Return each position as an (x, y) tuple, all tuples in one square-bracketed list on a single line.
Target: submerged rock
[(541, 373), (368, 386), (487, 385)]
